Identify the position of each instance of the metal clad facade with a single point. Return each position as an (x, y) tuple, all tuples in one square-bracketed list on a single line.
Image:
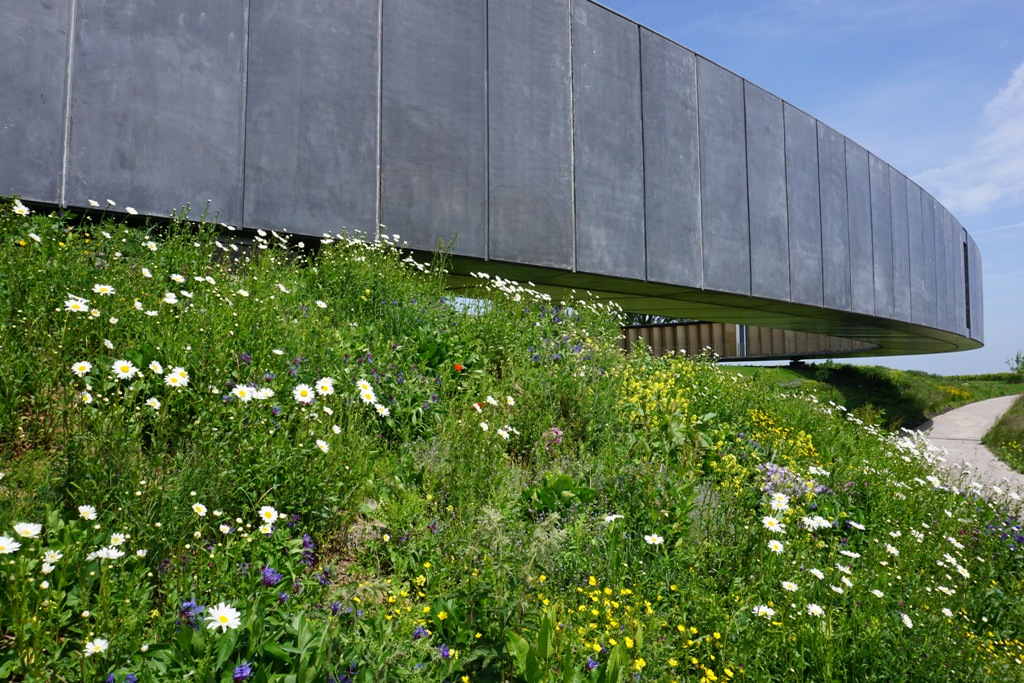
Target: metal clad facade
[(835, 219), (300, 95), (900, 244), (157, 106), (723, 179), (608, 142), (881, 236), (803, 196), (434, 123), (671, 162), (530, 132), (858, 192), (918, 254), (33, 52), (766, 192)]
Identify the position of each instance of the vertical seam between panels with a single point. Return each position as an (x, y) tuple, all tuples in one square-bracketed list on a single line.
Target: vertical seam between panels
[(572, 132), (378, 200), (245, 104), (69, 58), (643, 149)]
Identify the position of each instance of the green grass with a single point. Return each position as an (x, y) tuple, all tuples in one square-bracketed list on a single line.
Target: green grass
[(1006, 438), (886, 396), (431, 494)]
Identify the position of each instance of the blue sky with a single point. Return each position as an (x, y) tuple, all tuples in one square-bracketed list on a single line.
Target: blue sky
[(934, 87)]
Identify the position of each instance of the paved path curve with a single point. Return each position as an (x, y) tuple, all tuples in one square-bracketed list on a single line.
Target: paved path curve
[(960, 431)]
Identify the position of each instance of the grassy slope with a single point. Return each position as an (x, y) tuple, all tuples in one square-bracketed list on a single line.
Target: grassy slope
[(893, 398), (1006, 437), (512, 499)]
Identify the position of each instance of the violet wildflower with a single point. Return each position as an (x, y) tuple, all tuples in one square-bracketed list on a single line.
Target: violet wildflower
[(591, 663), (270, 576), (242, 672), (445, 651), (282, 597), (420, 632)]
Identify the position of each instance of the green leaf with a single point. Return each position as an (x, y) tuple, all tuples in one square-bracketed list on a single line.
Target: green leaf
[(225, 646), (276, 651), (519, 649), (544, 644)]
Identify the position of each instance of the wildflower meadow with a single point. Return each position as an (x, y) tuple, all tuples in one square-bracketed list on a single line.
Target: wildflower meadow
[(246, 456)]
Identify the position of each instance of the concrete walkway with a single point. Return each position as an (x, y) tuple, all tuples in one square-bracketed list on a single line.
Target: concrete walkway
[(959, 432)]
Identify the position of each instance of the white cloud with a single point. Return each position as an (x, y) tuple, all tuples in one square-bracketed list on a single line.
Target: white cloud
[(993, 172)]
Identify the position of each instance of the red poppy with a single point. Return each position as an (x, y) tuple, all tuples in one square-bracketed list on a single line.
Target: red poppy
[(459, 367)]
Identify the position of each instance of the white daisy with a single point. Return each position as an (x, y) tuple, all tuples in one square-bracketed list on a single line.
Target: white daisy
[(790, 586), (199, 509), (654, 539), (76, 305), (776, 546), (268, 514), (28, 530), (244, 394), (177, 278), (381, 410), (815, 610), (153, 403), (223, 616), (322, 445), (124, 369), (764, 611), (81, 368), (325, 386), (95, 647), (303, 393), (87, 512), (8, 545), (156, 368), (103, 290)]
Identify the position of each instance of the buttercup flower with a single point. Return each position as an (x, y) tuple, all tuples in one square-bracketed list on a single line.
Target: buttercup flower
[(81, 368)]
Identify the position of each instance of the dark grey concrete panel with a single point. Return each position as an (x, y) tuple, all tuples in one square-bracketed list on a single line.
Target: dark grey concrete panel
[(434, 123), (835, 219), (671, 162), (918, 256), (804, 196), (157, 106), (530, 132), (881, 236), (941, 262), (930, 315), (723, 179), (33, 52), (766, 190), (900, 244), (950, 253), (608, 142), (960, 276), (858, 192), (977, 300), (311, 116)]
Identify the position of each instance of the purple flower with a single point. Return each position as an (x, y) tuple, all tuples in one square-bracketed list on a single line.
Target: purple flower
[(189, 614), (444, 650), (420, 632), (270, 576), (269, 376), (307, 542), (335, 607), (591, 663), (242, 672), (244, 357), (283, 597)]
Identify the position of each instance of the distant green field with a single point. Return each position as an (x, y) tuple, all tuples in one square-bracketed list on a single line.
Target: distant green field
[(891, 398)]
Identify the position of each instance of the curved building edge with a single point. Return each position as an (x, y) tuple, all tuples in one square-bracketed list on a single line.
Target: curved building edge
[(553, 140)]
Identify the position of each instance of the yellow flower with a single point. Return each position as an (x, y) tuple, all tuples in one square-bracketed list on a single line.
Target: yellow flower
[(465, 679), (592, 581), (426, 565), (639, 664), (629, 643), (673, 662), (441, 616)]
